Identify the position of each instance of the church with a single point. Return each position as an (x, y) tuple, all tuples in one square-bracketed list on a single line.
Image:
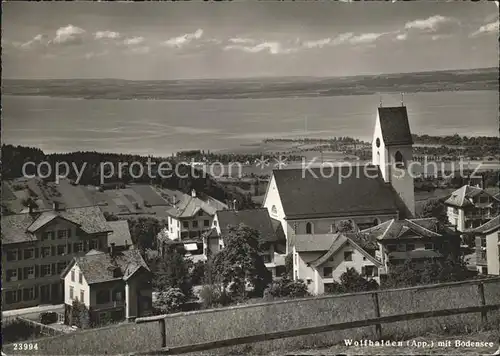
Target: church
[(315, 201)]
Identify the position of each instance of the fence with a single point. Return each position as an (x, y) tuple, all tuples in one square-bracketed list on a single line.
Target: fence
[(300, 323)]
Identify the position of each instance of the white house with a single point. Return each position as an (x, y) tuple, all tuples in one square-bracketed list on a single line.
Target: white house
[(470, 207), (321, 259), (314, 200), (488, 246)]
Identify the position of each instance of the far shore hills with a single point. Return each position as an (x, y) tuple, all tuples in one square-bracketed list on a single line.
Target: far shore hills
[(256, 88)]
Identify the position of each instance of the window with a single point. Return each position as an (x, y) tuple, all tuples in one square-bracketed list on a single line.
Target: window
[(429, 246), (80, 277), (195, 223), (117, 295), (62, 234), (274, 211), (29, 253), (102, 297), (11, 297), (376, 222), (61, 250), (391, 248), (82, 296), (185, 224), (266, 258), (333, 228), (483, 241), (28, 294), (45, 270), (328, 272), (94, 244), (200, 213), (455, 210), (71, 291), (78, 247), (410, 247), (72, 275), (11, 275), (45, 251), (61, 266), (399, 160), (308, 228), (348, 256), (483, 199), (206, 223), (401, 248), (29, 272), (47, 235), (12, 255), (68, 233)]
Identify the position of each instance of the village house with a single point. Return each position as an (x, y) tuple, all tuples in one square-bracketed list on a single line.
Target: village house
[(114, 285), (189, 218), (270, 231), (316, 200), (320, 260), (470, 207), (38, 245), (487, 238)]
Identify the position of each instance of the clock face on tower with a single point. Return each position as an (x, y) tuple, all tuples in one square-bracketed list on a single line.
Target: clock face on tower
[(377, 142)]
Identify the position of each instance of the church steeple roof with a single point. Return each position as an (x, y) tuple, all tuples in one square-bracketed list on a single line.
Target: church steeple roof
[(394, 126)]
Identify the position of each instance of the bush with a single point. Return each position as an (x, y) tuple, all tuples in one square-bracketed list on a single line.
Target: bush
[(170, 301), (285, 287), (213, 296), (48, 318), (79, 315)]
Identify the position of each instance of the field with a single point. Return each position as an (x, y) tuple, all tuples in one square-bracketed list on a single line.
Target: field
[(244, 320)]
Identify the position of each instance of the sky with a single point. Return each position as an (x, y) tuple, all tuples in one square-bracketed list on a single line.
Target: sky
[(194, 40)]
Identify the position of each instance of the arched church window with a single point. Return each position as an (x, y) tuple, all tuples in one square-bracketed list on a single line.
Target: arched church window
[(399, 160), (274, 211), (308, 228), (377, 142)]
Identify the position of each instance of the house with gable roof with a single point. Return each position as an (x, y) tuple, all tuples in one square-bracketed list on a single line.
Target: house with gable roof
[(471, 206), (315, 200), (320, 260), (114, 285), (487, 238)]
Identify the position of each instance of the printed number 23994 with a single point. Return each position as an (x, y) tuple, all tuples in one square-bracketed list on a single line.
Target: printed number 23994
[(25, 346)]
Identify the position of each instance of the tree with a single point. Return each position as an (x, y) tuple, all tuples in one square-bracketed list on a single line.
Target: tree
[(434, 208), (289, 265), (345, 226), (79, 315), (402, 275), (170, 301), (352, 282), (286, 287), (172, 271), (240, 262), (197, 272), (144, 230)]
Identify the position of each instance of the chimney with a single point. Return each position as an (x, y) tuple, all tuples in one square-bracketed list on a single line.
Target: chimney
[(30, 208), (193, 193), (112, 249), (173, 201), (55, 205), (126, 244)]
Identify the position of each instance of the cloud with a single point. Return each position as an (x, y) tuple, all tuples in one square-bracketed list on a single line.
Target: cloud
[(34, 41), (431, 24), (182, 40), (365, 38), (270, 47), (318, 44), (239, 40), (106, 35), (133, 41), (491, 27), (402, 36), (335, 41), (68, 35)]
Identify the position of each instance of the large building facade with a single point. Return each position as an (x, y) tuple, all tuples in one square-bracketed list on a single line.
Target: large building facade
[(37, 247)]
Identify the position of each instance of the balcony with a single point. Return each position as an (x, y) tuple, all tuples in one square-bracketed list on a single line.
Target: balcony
[(109, 305)]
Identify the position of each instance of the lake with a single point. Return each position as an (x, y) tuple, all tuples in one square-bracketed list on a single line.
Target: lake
[(161, 127)]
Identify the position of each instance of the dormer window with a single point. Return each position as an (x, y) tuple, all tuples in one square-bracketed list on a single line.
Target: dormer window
[(308, 228), (274, 211)]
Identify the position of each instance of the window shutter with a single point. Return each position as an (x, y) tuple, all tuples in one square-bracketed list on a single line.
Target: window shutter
[(53, 249), (363, 271), (37, 271), (36, 252), (69, 247), (53, 268), (69, 233), (19, 273), (19, 295), (36, 290)]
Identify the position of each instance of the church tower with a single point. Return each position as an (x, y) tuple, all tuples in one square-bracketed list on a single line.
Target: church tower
[(392, 151)]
